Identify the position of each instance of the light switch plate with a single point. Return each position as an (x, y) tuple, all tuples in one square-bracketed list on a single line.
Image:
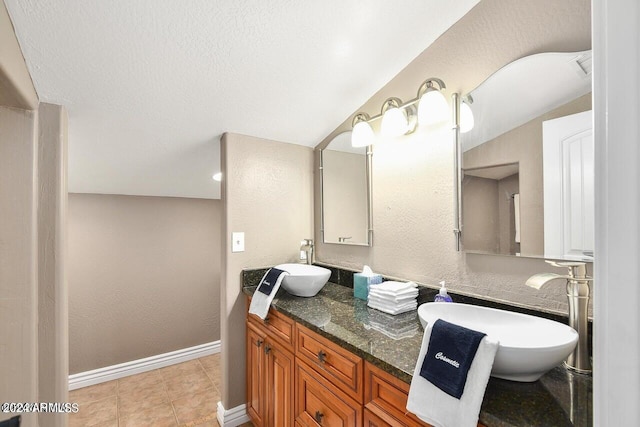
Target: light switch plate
[(237, 241)]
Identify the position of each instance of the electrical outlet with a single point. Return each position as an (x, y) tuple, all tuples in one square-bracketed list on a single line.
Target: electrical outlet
[(237, 241)]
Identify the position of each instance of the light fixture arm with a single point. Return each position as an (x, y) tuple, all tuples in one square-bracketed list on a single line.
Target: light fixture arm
[(427, 85), (360, 117)]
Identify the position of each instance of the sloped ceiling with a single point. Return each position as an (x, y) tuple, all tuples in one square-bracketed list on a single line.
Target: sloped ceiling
[(151, 85)]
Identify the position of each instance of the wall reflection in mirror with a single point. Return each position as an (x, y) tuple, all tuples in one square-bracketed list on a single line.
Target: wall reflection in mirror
[(527, 164), (346, 192)]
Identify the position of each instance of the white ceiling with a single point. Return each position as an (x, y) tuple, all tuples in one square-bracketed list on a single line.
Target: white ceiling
[(151, 85)]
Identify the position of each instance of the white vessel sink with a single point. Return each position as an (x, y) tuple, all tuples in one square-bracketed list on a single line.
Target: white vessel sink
[(304, 280), (529, 345)]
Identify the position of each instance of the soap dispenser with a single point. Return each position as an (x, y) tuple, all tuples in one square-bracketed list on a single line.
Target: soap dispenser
[(443, 296)]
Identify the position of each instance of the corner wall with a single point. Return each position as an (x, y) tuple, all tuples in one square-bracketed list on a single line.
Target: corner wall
[(144, 276), (18, 259), (266, 193), (53, 313)]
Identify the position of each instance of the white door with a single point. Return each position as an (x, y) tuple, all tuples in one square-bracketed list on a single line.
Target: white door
[(568, 164)]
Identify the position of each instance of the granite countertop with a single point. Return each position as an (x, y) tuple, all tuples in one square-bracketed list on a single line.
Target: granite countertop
[(559, 398)]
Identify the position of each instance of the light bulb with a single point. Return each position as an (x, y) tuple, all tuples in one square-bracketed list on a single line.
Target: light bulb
[(394, 122), (362, 135), (466, 118), (217, 176), (432, 108)]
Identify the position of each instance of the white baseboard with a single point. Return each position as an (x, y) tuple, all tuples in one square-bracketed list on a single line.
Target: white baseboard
[(232, 417), (108, 373)]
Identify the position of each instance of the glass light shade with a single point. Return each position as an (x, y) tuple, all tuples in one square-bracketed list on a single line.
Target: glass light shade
[(394, 122), (362, 135), (466, 118), (432, 108)]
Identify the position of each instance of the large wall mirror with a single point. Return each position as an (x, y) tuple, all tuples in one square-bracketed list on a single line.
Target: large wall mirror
[(527, 164), (346, 192)]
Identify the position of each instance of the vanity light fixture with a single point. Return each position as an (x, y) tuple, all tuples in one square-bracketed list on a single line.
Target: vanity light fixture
[(398, 118), (362, 134), (432, 107), (466, 115)]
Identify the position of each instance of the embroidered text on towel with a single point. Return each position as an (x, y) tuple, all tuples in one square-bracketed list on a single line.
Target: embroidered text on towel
[(444, 358)]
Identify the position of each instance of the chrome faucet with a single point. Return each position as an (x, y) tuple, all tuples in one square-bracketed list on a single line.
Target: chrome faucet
[(578, 294), (307, 247)]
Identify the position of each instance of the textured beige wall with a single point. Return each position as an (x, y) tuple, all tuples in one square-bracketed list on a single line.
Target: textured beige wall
[(480, 214), (18, 259), (267, 194), (143, 277), (344, 177), (523, 145), (53, 325), (413, 176), (16, 88)]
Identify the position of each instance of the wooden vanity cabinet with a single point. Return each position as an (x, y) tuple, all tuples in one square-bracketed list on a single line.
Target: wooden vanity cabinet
[(270, 373), (298, 377)]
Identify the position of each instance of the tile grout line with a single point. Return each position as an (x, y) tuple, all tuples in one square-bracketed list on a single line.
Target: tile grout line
[(166, 390)]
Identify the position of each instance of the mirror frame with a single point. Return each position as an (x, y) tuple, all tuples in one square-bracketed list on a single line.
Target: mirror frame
[(369, 179)]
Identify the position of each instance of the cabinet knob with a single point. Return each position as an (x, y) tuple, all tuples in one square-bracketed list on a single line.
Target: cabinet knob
[(259, 343), (318, 417), (322, 356), (267, 349)]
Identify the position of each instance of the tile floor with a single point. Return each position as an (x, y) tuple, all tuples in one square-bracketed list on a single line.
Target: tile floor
[(184, 395)]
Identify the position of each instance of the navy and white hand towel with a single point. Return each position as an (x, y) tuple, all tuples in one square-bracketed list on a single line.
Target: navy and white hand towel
[(451, 350), (267, 289), (451, 375)]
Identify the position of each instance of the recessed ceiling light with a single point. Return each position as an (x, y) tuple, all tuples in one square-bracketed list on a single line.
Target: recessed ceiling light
[(217, 176)]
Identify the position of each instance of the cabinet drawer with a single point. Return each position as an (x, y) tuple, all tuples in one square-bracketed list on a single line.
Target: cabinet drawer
[(277, 325), (333, 362), (386, 397), (372, 420), (319, 403)]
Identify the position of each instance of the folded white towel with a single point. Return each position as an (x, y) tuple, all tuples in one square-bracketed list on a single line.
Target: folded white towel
[(394, 287), (392, 306), (260, 302), (391, 300), (438, 408)]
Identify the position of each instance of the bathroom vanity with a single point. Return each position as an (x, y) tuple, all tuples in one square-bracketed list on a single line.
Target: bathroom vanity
[(331, 360)]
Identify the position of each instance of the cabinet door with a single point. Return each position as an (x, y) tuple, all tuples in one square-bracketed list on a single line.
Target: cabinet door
[(256, 376), (280, 385), (319, 403)]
